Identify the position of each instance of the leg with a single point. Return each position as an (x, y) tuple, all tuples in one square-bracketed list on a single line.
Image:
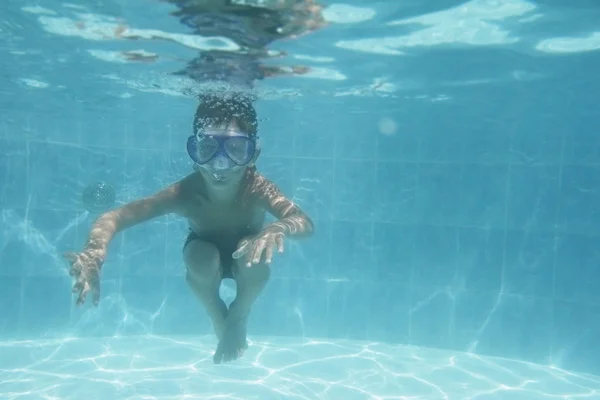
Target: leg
[(250, 283), (204, 278)]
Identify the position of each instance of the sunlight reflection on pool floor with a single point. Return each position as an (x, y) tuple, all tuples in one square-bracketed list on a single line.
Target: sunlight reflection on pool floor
[(151, 367)]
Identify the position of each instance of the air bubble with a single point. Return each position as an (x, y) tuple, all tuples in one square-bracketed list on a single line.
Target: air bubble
[(98, 197), (387, 126)]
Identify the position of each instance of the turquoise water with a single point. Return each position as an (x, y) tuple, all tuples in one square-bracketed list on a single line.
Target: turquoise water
[(448, 154)]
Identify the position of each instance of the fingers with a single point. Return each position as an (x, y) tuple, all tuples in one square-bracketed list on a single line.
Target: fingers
[(72, 257), (76, 268), (75, 264), (258, 250), (81, 287), (218, 356), (255, 249), (85, 271), (96, 294), (242, 249), (78, 286), (83, 294), (269, 252), (279, 241)]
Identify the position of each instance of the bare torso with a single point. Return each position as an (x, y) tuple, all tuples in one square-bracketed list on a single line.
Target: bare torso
[(219, 221)]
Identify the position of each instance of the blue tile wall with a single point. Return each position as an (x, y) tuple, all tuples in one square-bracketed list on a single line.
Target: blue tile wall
[(430, 316), (351, 254), (402, 146), (575, 337), (45, 306), (395, 192), (14, 173), (518, 327), (311, 188), (457, 227), (480, 259), (576, 273), (11, 299), (473, 314), (353, 185), (529, 264), (393, 253), (579, 197), (533, 197)]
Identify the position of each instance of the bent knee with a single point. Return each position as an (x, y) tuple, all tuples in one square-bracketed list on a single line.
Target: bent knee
[(202, 260), (257, 274)]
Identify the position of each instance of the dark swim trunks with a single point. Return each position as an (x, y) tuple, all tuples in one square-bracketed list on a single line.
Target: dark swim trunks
[(226, 249)]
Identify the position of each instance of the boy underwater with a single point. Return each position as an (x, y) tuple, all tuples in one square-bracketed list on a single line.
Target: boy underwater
[(225, 201)]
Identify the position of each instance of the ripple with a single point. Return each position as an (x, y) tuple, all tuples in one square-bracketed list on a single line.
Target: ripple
[(153, 367), (570, 44), (346, 14), (473, 23), (34, 83)]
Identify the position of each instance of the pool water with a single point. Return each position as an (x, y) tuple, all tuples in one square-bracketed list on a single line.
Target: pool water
[(172, 367), (447, 151)]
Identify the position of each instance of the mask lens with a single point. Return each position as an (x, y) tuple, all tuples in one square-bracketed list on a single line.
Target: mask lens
[(239, 149), (206, 148)]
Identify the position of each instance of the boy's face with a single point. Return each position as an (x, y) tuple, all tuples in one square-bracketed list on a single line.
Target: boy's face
[(228, 150)]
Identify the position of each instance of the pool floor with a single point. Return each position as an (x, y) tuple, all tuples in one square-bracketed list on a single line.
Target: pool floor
[(152, 367)]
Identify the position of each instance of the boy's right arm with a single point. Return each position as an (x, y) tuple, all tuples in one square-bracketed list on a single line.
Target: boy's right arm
[(85, 266), (110, 223)]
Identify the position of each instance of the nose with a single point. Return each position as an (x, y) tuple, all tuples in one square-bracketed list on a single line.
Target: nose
[(221, 163)]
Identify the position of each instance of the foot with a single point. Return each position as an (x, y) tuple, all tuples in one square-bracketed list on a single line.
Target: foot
[(218, 316), (219, 328), (232, 344)]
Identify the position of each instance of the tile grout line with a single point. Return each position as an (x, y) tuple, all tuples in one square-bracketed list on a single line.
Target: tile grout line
[(333, 205), (372, 258), (24, 276), (555, 247), (412, 266)]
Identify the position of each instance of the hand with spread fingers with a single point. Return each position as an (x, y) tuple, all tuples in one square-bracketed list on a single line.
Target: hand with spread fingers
[(85, 269), (259, 248)]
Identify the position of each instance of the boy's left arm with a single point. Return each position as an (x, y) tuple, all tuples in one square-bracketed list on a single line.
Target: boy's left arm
[(291, 220)]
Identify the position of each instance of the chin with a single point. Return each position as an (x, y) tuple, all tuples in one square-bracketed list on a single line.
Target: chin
[(219, 178), (223, 177)]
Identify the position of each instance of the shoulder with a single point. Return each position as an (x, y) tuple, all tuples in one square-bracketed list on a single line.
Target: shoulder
[(181, 192), (190, 186), (259, 186)]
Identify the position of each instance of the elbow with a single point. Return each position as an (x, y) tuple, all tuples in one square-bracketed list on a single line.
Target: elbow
[(123, 217), (309, 227), (108, 217), (109, 221)]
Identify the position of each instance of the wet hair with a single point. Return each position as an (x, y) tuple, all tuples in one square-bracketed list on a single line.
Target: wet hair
[(216, 109)]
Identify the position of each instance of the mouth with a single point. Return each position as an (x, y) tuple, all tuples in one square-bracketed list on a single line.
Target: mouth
[(219, 177)]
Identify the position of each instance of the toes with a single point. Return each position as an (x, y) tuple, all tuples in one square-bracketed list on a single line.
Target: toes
[(231, 347), (217, 357), (227, 355), (230, 355)]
